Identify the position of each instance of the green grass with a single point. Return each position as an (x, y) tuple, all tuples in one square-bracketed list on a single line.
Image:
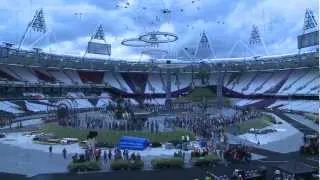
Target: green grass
[(199, 93), (111, 136), (312, 117), (257, 123)]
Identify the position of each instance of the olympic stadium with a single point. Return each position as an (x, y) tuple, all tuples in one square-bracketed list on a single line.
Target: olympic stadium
[(173, 94)]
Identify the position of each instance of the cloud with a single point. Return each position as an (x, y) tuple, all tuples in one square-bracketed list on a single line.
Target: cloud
[(72, 22)]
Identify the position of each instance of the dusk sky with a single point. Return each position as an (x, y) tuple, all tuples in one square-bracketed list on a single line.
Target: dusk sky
[(71, 22)]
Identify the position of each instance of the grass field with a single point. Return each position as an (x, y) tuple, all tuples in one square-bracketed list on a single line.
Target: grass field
[(257, 123), (198, 94), (111, 136)]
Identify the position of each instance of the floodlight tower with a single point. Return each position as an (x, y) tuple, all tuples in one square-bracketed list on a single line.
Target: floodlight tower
[(37, 24), (204, 47), (256, 39), (310, 32), (97, 44), (310, 22)]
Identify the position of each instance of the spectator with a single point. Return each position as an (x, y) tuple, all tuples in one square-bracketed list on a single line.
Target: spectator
[(105, 157), (110, 155), (64, 153), (50, 149)]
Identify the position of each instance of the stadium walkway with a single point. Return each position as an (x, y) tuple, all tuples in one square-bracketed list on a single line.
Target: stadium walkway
[(301, 127)]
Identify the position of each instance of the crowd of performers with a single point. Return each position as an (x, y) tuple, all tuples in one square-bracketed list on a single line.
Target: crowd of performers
[(202, 123), (105, 155), (200, 118), (237, 153)]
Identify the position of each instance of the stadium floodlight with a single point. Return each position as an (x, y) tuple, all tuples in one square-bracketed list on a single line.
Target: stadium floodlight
[(97, 44), (37, 24)]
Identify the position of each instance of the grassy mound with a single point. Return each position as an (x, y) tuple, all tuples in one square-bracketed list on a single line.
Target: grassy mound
[(167, 163), (258, 123), (126, 165), (208, 160), (84, 166), (111, 137), (198, 94)]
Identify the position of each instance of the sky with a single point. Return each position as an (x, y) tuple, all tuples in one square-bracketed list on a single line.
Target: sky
[(227, 23)]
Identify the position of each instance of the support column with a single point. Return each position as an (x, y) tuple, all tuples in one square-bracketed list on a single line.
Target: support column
[(168, 86), (219, 89)]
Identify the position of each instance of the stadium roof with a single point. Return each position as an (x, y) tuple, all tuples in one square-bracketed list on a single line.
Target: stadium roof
[(37, 58)]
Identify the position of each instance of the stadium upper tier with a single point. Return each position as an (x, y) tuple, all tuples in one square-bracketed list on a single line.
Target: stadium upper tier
[(284, 75)]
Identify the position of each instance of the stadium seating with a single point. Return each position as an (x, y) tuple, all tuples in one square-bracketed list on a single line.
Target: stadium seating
[(291, 85), (244, 81), (24, 74), (35, 107), (74, 76), (115, 80), (61, 77), (10, 107), (43, 75), (124, 86), (185, 80), (91, 77), (307, 82), (272, 81), (296, 82), (6, 73), (154, 82), (257, 83)]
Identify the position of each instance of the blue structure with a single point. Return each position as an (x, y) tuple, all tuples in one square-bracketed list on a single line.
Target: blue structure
[(133, 143)]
